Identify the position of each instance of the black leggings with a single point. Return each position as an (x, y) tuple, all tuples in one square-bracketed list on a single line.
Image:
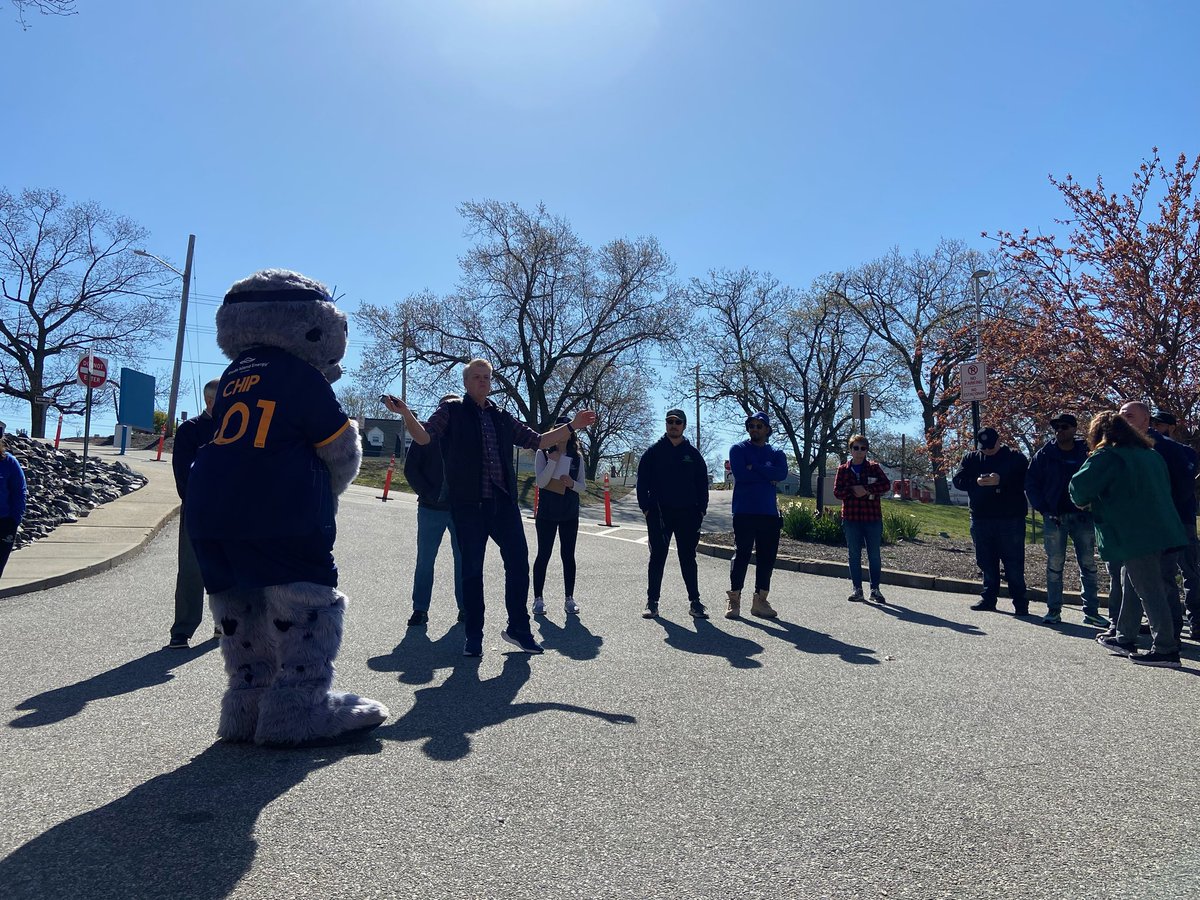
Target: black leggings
[(567, 530), (8, 537)]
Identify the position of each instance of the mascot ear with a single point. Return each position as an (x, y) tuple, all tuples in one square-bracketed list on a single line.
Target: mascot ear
[(314, 335)]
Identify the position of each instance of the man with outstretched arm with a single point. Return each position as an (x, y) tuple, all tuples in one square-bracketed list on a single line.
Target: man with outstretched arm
[(478, 440)]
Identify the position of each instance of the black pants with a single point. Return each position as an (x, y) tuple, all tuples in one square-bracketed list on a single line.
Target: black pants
[(759, 535), (567, 531), (8, 537), (499, 519), (684, 526), (189, 587)]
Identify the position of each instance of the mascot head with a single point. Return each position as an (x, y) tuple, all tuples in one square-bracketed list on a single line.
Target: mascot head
[(280, 308)]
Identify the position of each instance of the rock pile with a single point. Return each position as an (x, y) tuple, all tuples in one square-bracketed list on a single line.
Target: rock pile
[(55, 494)]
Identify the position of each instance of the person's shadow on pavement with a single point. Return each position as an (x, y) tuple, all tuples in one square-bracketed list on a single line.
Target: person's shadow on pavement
[(708, 640), (915, 617), (573, 640), (61, 703), (810, 641), (416, 658), (187, 833), (446, 716)]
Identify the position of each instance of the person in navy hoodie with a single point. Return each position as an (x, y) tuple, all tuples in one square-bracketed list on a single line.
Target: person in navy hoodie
[(672, 493), (1046, 487), (757, 468), (12, 501)]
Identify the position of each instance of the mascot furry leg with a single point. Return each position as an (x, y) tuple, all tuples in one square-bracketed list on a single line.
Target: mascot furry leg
[(305, 631), (249, 660)]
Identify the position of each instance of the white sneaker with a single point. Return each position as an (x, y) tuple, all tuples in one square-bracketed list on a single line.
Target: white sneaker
[(539, 606), (571, 607)]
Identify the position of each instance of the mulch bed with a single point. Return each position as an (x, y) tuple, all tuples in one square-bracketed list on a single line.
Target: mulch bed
[(938, 556)]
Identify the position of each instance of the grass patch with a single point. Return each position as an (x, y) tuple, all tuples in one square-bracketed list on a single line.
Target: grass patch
[(927, 519), (373, 472)]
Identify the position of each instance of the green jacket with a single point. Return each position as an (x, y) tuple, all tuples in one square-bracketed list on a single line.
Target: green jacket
[(1129, 494)]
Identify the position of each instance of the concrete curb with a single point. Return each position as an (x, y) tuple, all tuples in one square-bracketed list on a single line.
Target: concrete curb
[(898, 577), (30, 587), (109, 535)]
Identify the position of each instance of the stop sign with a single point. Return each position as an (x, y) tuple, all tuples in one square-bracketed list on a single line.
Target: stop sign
[(92, 371)]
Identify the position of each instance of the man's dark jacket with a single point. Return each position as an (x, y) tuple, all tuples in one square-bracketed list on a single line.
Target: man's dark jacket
[(190, 436), (1049, 475), (463, 454), (1005, 500), (1181, 467), (426, 473), (672, 477)]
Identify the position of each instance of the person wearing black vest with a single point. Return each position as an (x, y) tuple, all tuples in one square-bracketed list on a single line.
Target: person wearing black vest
[(425, 473), (478, 440)]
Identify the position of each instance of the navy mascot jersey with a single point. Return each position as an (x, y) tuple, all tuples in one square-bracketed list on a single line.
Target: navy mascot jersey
[(260, 477)]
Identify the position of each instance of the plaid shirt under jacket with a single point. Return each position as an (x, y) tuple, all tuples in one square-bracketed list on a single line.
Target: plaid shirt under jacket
[(861, 509)]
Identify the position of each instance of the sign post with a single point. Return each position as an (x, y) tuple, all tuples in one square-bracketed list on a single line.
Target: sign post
[(972, 381), (92, 372)]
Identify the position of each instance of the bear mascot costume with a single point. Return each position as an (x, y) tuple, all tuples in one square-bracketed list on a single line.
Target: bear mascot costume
[(260, 510)]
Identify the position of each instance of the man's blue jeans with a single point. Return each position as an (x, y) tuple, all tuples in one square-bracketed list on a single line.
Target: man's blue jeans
[(857, 534), (498, 519), (1000, 541), (432, 524), (1082, 531)]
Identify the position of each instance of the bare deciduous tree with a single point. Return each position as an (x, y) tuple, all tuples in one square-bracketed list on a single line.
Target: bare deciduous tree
[(69, 281), (794, 355), (551, 314), (921, 306), (45, 7)]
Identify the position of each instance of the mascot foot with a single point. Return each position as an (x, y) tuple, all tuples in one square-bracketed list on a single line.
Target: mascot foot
[(341, 718), (239, 715)]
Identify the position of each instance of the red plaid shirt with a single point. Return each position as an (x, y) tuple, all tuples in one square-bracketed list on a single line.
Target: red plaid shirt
[(861, 509)]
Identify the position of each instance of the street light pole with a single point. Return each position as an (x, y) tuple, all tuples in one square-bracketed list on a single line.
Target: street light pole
[(975, 276), (186, 275)]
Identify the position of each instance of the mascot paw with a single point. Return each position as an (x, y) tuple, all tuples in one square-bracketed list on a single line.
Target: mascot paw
[(239, 715), (342, 717)]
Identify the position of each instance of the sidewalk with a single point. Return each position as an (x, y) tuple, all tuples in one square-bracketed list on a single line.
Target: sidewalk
[(109, 535)]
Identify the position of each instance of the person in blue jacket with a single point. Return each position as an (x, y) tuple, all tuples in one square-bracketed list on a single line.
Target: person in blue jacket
[(757, 468), (12, 501)]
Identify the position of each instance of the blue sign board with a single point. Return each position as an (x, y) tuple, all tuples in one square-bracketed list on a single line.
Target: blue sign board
[(135, 406)]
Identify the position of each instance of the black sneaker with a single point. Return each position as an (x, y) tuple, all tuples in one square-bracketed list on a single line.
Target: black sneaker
[(524, 642), (1121, 648), (651, 611), (419, 617), (984, 606), (696, 608), (1158, 660), (473, 647), (177, 643), (1021, 611)]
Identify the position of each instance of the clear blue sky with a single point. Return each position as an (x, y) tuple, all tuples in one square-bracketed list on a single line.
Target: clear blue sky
[(337, 138)]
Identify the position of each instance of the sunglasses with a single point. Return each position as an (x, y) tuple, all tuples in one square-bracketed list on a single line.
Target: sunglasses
[(1061, 426), (674, 421), (755, 425), (860, 448)]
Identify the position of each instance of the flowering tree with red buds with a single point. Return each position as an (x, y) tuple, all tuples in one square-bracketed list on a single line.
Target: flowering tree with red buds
[(1112, 311)]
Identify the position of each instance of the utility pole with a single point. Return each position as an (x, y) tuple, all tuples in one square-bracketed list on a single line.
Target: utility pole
[(698, 408), (404, 388), (183, 302)]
